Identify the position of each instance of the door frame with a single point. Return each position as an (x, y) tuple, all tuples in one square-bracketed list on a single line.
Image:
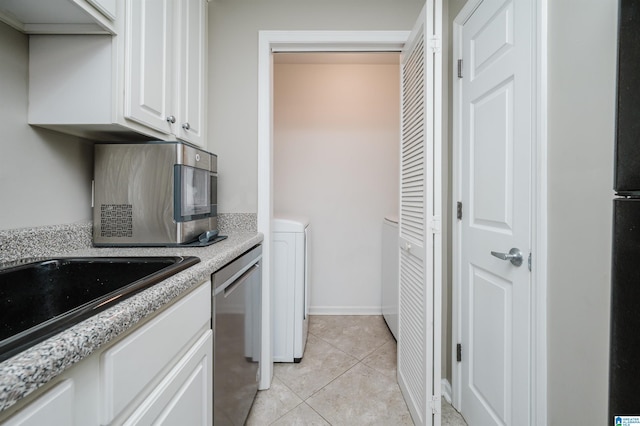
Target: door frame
[(538, 373), (294, 41)]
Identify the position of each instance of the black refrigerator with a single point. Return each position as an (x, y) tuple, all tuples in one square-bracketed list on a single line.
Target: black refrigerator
[(624, 348)]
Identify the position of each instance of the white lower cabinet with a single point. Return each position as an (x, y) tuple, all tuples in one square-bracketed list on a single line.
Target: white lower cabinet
[(184, 396), (131, 366), (159, 373), (54, 407)]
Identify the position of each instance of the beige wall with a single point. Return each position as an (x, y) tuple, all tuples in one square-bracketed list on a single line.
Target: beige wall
[(336, 149), (45, 177), (233, 65), (581, 72)]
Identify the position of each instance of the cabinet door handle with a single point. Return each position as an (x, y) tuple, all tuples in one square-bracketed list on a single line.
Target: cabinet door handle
[(186, 126), (171, 119)]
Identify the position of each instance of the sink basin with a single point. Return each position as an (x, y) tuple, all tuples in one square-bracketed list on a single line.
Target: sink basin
[(42, 298)]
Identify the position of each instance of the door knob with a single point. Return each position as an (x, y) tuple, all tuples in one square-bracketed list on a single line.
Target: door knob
[(171, 119), (186, 126), (514, 256)]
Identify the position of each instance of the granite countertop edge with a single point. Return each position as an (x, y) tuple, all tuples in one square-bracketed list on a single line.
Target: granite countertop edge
[(29, 370)]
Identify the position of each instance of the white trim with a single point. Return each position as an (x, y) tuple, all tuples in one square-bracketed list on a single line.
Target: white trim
[(345, 310), (538, 415), (446, 390), (265, 201), (293, 41), (438, 143), (456, 302), (540, 222), (336, 41)]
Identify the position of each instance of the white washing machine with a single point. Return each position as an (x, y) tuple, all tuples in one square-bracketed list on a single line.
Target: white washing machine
[(290, 288), (390, 272)]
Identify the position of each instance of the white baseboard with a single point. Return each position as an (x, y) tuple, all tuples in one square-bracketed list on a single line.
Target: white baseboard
[(446, 390), (345, 310)]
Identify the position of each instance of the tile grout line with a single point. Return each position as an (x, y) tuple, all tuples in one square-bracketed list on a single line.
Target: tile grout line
[(321, 416), (363, 362), (359, 361), (341, 350), (302, 401), (279, 418), (380, 344), (335, 378)]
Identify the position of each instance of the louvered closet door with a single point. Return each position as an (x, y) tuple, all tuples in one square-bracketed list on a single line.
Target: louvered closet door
[(420, 243)]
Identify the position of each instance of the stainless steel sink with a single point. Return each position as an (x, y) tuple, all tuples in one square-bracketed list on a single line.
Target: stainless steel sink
[(42, 298)]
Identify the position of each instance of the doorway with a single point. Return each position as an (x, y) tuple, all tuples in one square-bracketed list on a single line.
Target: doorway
[(336, 165), (294, 41), (424, 38)]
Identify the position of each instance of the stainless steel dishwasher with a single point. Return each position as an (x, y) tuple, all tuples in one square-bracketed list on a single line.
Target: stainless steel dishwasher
[(236, 337)]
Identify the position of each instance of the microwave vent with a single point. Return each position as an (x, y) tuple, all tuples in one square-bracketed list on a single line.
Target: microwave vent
[(116, 220)]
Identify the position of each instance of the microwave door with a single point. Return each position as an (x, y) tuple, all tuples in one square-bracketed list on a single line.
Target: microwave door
[(193, 193)]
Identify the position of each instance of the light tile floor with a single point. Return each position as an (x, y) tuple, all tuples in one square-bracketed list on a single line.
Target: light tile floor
[(346, 377)]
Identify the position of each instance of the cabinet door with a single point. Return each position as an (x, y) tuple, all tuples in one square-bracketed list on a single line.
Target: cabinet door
[(191, 87), (55, 407), (149, 63), (185, 395), (129, 368)]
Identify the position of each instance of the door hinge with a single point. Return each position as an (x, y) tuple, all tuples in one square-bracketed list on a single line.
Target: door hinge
[(459, 68), (435, 43), (459, 210), (435, 224), (529, 262), (436, 405), (459, 352)]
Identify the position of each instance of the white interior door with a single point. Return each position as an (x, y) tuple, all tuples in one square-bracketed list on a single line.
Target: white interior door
[(495, 187), (419, 219)]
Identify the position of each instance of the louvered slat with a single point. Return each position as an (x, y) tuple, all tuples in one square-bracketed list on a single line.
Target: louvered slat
[(411, 345), (412, 340)]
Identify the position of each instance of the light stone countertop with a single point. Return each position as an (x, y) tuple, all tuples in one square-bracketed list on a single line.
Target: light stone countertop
[(34, 367)]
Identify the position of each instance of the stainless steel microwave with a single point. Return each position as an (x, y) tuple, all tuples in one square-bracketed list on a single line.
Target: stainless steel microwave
[(153, 193)]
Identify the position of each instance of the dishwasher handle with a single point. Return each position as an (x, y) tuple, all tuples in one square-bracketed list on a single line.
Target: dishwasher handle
[(238, 281)]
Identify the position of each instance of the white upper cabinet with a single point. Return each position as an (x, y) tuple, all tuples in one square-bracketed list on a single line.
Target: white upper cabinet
[(60, 16), (106, 7), (149, 81), (190, 76), (149, 53), (166, 74)]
